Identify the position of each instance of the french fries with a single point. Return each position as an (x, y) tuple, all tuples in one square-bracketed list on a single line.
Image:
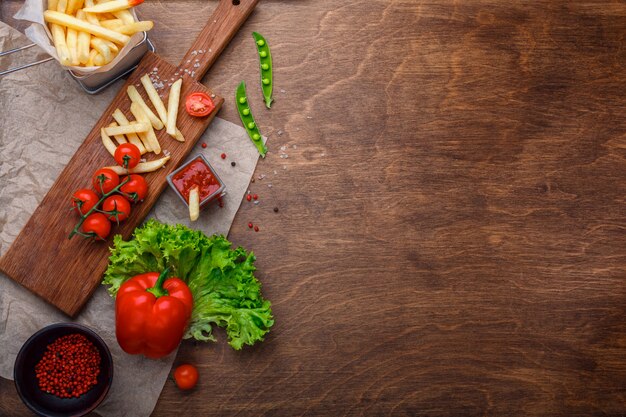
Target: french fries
[(132, 137), (135, 97), (156, 101), (172, 107), (113, 6), (141, 167), (119, 138), (87, 25), (151, 138), (194, 203), (107, 142), (129, 128)]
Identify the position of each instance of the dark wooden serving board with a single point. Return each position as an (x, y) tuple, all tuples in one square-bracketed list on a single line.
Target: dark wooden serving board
[(66, 272)]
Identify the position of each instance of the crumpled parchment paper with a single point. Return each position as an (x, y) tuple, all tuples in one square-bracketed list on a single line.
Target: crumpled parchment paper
[(38, 32), (45, 117)]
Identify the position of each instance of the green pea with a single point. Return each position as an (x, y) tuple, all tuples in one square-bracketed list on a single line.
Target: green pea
[(245, 114), (265, 58)]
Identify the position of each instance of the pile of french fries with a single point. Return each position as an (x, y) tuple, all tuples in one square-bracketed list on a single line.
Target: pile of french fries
[(89, 33), (140, 132)]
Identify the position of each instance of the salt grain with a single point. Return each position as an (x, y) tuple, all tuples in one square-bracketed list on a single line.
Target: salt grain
[(275, 172), (269, 185), (309, 117), (282, 148), (282, 91), (294, 146), (166, 152), (280, 133), (256, 202), (194, 53)]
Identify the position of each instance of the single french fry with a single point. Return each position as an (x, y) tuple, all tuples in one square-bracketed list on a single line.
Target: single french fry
[(92, 55), (113, 6), (58, 38), (119, 138), (98, 60), (62, 6), (52, 4), (112, 24), (135, 97), (107, 142), (139, 114), (194, 203), (72, 45), (172, 107), (132, 137), (132, 28), (113, 47), (142, 167), (179, 136), (129, 128), (84, 41), (125, 16), (154, 97), (70, 21), (143, 138)]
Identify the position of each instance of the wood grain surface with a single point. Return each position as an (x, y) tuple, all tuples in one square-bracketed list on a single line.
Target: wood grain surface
[(450, 236)]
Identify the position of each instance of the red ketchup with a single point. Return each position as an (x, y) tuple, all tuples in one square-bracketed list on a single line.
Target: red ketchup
[(196, 173)]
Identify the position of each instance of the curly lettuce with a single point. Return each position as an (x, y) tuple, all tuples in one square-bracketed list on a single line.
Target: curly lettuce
[(221, 279)]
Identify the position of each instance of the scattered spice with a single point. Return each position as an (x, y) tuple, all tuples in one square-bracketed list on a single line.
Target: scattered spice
[(223, 156), (256, 197), (69, 367), (232, 164), (252, 180), (249, 197), (275, 209), (256, 228), (204, 145), (250, 225)]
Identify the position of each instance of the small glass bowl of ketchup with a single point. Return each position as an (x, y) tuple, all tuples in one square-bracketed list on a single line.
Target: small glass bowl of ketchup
[(198, 172)]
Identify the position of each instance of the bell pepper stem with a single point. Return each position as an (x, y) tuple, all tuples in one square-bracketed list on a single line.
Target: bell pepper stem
[(158, 289)]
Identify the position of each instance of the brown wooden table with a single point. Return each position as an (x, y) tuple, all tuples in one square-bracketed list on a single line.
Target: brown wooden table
[(451, 235)]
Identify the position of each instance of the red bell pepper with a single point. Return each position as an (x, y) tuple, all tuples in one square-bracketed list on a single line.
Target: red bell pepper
[(152, 313)]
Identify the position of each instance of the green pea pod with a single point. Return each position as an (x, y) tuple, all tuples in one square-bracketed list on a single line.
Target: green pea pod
[(267, 82), (249, 124)]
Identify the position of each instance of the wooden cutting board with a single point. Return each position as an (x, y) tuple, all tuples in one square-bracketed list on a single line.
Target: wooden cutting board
[(66, 272)]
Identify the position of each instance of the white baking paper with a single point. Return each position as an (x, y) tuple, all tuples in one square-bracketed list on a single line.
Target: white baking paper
[(38, 32), (45, 117)]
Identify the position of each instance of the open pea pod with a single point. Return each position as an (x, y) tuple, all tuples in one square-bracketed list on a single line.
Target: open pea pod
[(243, 107), (267, 72)]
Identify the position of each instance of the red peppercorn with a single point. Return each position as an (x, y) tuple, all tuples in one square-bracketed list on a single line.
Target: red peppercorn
[(203, 145), (249, 197), (223, 156), (69, 367), (256, 228), (256, 197), (250, 225)]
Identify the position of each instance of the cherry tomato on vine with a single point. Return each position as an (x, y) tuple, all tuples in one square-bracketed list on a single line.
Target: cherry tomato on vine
[(120, 205), (98, 224), (199, 104), (104, 180), (186, 376), (127, 155), (136, 188), (84, 200)]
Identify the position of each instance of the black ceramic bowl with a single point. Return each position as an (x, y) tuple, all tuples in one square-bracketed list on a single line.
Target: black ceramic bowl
[(48, 405)]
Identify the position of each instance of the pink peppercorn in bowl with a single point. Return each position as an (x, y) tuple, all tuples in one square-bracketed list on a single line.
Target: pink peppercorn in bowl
[(48, 351)]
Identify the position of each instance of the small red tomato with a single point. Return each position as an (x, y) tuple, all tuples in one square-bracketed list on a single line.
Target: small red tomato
[(105, 180), (84, 200), (186, 376), (98, 224), (199, 104), (117, 203), (127, 155), (136, 188)]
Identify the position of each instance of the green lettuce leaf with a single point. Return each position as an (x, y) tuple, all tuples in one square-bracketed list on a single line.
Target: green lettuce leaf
[(221, 279)]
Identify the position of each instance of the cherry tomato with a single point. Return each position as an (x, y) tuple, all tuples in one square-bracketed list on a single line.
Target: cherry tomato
[(104, 180), (84, 200), (97, 223), (136, 188), (119, 204), (127, 155), (186, 376), (199, 104)]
